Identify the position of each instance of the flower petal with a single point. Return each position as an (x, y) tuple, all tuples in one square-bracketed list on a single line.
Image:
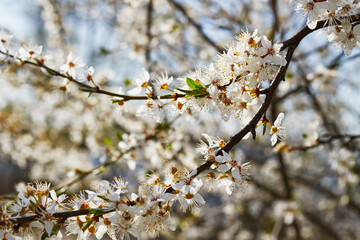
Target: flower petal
[(279, 118), (273, 139), (236, 173), (223, 168)]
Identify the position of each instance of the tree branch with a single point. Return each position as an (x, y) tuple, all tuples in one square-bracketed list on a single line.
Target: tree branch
[(89, 88), (326, 139), (306, 30), (148, 34), (196, 25)]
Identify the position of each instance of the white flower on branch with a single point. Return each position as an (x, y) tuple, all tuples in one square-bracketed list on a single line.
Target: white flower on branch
[(227, 163), (233, 171), (128, 141), (74, 226), (163, 81), (74, 67), (209, 148), (45, 223), (346, 37), (314, 10), (278, 131), (57, 203), (121, 226), (5, 37), (29, 51), (120, 102), (270, 52), (188, 195), (152, 108), (140, 82)]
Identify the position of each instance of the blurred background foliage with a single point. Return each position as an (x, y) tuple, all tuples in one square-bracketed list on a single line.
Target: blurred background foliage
[(307, 188)]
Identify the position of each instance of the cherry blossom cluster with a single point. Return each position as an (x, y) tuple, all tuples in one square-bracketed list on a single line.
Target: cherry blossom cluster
[(109, 208), (73, 69), (345, 35), (227, 171), (38, 200), (231, 84), (76, 69)]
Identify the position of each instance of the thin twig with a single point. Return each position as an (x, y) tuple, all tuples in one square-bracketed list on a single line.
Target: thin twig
[(196, 25), (89, 88), (326, 139)]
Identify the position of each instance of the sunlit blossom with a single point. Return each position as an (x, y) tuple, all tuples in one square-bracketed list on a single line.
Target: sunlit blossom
[(278, 131)]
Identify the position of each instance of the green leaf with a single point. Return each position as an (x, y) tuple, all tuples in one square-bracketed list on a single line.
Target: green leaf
[(55, 230), (100, 170), (118, 136), (44, 236), (104, 51), (194, 85), (107, 141), (85, 89), (168, 146), (184, 91), (198, 93), (127, 82), (177, 27), (202, 95), (33, 204), (149, 172), (264, 128), (86, 225), (80, 172), (163, 126), (96, 211), (61, 191)]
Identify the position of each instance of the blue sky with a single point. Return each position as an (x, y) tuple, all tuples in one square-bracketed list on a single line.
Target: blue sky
[(15, 16)]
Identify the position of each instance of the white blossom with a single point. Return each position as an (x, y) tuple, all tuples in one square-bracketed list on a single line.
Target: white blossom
[(74, 67), (31, 51), (140, 82), (278, 131)]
